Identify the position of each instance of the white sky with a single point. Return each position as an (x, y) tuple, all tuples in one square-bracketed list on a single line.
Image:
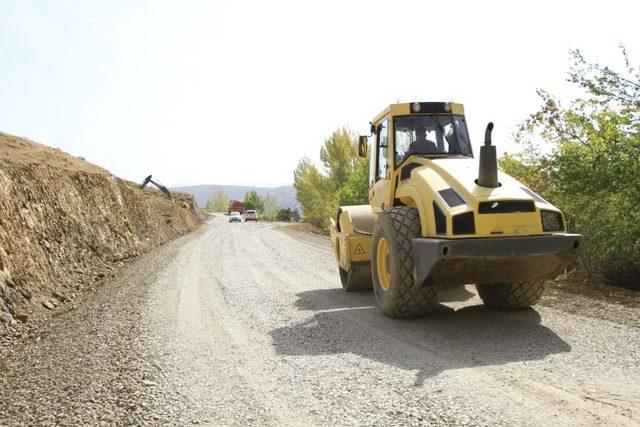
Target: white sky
[(236, 92)]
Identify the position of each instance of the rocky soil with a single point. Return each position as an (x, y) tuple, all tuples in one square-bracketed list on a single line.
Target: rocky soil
[(65, 226), (246, 323)]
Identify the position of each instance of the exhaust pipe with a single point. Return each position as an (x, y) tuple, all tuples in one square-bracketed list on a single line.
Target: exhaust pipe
[(488, 174)]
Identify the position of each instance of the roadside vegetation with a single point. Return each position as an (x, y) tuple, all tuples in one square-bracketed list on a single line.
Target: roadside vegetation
[(218, 202), (583, 156)]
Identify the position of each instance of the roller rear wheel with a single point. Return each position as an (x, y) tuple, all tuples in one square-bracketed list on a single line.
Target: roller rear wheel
[(511, 295)]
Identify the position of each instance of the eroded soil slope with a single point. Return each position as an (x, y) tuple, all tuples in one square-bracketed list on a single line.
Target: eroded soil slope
[(64, 225)]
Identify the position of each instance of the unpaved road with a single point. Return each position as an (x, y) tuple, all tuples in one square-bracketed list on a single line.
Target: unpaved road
[(246, 323)]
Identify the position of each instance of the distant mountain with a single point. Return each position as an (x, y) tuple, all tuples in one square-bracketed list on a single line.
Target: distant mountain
[(286, 194)]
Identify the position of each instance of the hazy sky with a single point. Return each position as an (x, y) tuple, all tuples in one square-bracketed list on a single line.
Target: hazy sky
[(236, 92)]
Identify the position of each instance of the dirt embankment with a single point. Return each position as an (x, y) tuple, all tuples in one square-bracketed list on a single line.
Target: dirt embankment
[(64, 225)]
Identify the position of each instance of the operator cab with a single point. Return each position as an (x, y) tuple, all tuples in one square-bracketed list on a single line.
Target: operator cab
[(422, 129), (430, 135)]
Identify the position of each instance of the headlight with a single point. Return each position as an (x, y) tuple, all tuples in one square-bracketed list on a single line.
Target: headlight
[(552, 221)]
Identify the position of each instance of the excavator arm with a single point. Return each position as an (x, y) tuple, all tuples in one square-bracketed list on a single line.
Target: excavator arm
[(161, 187)]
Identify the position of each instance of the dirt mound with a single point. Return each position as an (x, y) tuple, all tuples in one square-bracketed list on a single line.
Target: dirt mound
[(64, 225)]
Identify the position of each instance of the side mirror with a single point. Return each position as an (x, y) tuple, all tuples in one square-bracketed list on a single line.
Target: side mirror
[(363, 146)]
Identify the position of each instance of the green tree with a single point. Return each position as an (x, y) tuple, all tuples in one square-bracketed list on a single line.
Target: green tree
[(343, 179), (315, 193), (284, 214), (218, 202), (252, 201), (584, 158), (355, 190), (338, 156), (271, 206)]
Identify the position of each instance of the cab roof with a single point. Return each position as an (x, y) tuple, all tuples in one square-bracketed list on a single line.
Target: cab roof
[(408, 108)]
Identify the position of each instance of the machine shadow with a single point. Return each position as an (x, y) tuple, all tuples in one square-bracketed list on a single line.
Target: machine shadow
[(445, 339), (456, 293), (332, 298)]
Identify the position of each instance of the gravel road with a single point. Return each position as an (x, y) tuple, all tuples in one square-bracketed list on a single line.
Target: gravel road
[(247, 324)]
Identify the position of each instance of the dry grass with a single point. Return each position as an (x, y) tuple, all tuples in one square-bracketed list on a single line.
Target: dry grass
[(305, 227), (20, 151)]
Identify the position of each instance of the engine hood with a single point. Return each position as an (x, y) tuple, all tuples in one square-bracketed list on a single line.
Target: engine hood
[(423, 184), (461, 174)]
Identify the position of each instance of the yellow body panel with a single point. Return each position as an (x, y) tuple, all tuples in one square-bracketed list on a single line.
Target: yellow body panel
[(350, 245), (420, 190), (354, 248), (350, 248), (378, 196)]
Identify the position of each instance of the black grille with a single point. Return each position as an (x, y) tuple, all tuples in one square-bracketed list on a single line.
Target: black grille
[(441, 220), (506, 206), (452, 198), (464, 224)]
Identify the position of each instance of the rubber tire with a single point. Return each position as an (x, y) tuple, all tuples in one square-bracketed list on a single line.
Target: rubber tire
[(511, 295), (358, 279), (404, 298)]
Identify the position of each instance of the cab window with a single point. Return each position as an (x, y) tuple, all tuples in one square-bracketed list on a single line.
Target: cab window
[(382, 145), (424, 135)]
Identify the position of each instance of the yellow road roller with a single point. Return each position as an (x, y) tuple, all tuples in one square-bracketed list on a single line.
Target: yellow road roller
[(438, 217)]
